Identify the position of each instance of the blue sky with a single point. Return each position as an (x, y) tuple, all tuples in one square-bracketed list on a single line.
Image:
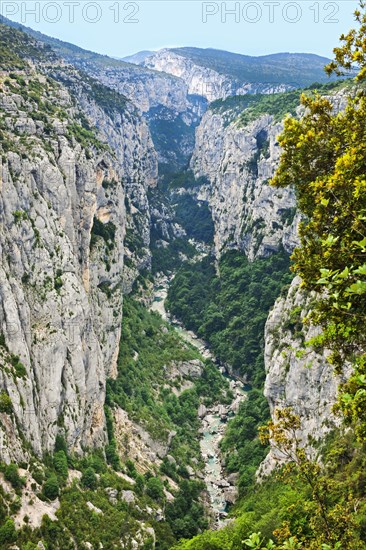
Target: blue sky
[(120, 28)]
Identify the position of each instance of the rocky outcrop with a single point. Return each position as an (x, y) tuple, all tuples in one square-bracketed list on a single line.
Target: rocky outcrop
[(147, 89), (238, 162), (190, 369), (62, 209), (136, 444), (221, 487), (204, 81), (127, 133), (298, 377)]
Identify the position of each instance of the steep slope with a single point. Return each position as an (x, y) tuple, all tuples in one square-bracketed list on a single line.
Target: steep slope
[(64, 220), (138, 57), (295, 69), (237, 152), (218, 74), (238, 161), (144, 87), (77, 205), (204, 81), (298, 378), (172, 113)]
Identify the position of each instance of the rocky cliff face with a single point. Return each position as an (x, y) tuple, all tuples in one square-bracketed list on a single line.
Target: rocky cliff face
[(238, 162), (204, 81), (297, 377), (62, 208), (147, 89)]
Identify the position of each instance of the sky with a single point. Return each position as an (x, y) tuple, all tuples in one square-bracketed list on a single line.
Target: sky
[(120, 28)]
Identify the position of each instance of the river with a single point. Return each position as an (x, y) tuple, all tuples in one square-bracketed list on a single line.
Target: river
[(213, 420)]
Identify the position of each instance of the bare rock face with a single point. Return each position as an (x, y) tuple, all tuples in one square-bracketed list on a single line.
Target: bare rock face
[(299, 377), (63, 220), (147, 89), (190, 369), (238, 163), (203, 81), (305, 382), (135, 443)]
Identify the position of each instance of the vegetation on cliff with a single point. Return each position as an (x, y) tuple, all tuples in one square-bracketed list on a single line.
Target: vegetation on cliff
[(324, 157)]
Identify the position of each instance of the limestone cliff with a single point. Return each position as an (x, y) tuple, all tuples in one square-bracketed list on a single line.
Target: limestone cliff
[(206, 81), (146, 88), (298, 377), (238, 162), (68, 165)]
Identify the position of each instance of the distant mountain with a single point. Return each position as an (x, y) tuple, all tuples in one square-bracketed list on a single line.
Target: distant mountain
[(145, 87), (138, 57), (222, 73), (292, 69), (70, 52)]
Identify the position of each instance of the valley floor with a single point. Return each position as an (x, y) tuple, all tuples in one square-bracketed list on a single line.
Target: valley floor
[(221, 487)]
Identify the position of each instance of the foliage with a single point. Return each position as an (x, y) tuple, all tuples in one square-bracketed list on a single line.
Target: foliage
[(195, 217), (324, 158), (139, 387), (19, 368), (324, 154), (11, 474), (85, 136), (89, 479), (60, 444), (246, 108), (277, 105), (352, 53), (106, 231), (155, 488), (186, 180), (219, 307), (287, 508), (51, 488), (6, 405), (166, 258), (16, 47), (111, 101), (149, 348), (8, 532), (241, 447), (60, 465), (332, 506), (185, 514), (173, 138)]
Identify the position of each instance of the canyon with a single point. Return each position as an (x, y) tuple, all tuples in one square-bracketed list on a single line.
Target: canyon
[(106, 168)]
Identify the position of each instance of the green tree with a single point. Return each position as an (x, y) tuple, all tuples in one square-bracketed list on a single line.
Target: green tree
[(324, 156), (60, 465), (51, 488), (331, 519), (8, 532), (6, 405), (89, 479), (60, 444), (155, 488), (11, 474)]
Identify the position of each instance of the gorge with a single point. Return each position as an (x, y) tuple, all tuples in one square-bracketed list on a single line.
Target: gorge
[(150, 322)]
